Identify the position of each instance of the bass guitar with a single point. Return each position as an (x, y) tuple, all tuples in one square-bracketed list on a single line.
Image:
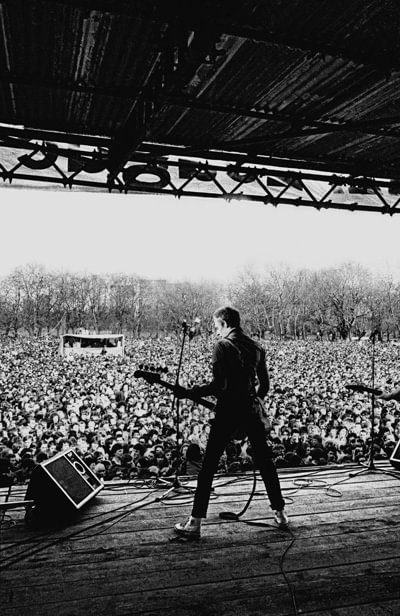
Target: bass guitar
[(181, 392)]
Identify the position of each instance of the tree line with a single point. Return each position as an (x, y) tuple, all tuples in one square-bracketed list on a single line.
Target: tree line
[(339, 302)]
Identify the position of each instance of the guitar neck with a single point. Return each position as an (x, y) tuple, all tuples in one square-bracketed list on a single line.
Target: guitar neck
[(206, 403), (361, 388), (154, 378)]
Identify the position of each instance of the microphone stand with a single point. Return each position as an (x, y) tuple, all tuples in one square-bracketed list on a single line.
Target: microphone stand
[(371, 468), (177, 486)]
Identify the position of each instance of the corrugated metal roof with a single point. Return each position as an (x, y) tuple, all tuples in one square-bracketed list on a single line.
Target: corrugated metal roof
[(299, 74)]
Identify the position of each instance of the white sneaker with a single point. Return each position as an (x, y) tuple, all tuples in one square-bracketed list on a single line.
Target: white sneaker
[(188, 530), (281, 519)]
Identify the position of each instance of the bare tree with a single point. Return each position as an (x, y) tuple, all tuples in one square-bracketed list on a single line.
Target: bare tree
[(35, 285), (342, 301), (251, 294), (11, 298), (340, 298)]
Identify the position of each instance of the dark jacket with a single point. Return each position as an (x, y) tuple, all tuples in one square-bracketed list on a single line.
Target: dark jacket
[(239, 372)]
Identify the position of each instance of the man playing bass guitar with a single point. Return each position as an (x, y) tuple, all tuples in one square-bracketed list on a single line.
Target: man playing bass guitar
[(240, 382)]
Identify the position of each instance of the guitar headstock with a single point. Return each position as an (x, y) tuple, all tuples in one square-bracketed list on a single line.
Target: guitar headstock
[(147, 375), (358, 387)]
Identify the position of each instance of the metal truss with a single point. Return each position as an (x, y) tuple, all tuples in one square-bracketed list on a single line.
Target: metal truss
[(29, 163)]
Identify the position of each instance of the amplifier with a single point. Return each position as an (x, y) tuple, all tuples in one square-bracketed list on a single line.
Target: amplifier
[(60, 486)]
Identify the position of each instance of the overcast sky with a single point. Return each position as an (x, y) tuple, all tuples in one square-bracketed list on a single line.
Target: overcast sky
[(187, 239)]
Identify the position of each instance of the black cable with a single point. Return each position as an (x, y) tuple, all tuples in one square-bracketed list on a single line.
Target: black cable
[(6, 521), (231, 515), (282, 570), (300, 483), (117, 520), (374, 470), (48, 533), (117, 488), (282, 556), (27, 553), (307, 483)]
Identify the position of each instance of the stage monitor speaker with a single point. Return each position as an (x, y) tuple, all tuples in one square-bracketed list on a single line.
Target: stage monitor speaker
[(60, 487), (395, 457)]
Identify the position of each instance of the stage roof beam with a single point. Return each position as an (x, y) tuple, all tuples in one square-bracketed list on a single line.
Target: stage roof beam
[(179, 58)]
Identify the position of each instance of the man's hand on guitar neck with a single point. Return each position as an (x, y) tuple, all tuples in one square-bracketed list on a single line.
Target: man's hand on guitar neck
[(192, 393)]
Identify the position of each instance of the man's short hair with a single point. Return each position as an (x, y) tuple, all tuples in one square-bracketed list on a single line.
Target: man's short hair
[(228, 314)]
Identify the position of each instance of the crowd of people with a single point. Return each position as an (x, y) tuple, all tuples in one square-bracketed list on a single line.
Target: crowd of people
[(124, 427)]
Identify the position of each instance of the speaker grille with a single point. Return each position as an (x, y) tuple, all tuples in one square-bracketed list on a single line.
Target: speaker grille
[(67, 477)]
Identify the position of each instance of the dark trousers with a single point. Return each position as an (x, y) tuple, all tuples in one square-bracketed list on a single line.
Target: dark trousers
[(221, 432)]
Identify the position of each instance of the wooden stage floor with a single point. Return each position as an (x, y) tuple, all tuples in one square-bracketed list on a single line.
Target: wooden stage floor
[(341, 556)]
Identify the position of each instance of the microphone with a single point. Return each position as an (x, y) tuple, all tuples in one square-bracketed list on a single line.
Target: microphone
[(195, 328)]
